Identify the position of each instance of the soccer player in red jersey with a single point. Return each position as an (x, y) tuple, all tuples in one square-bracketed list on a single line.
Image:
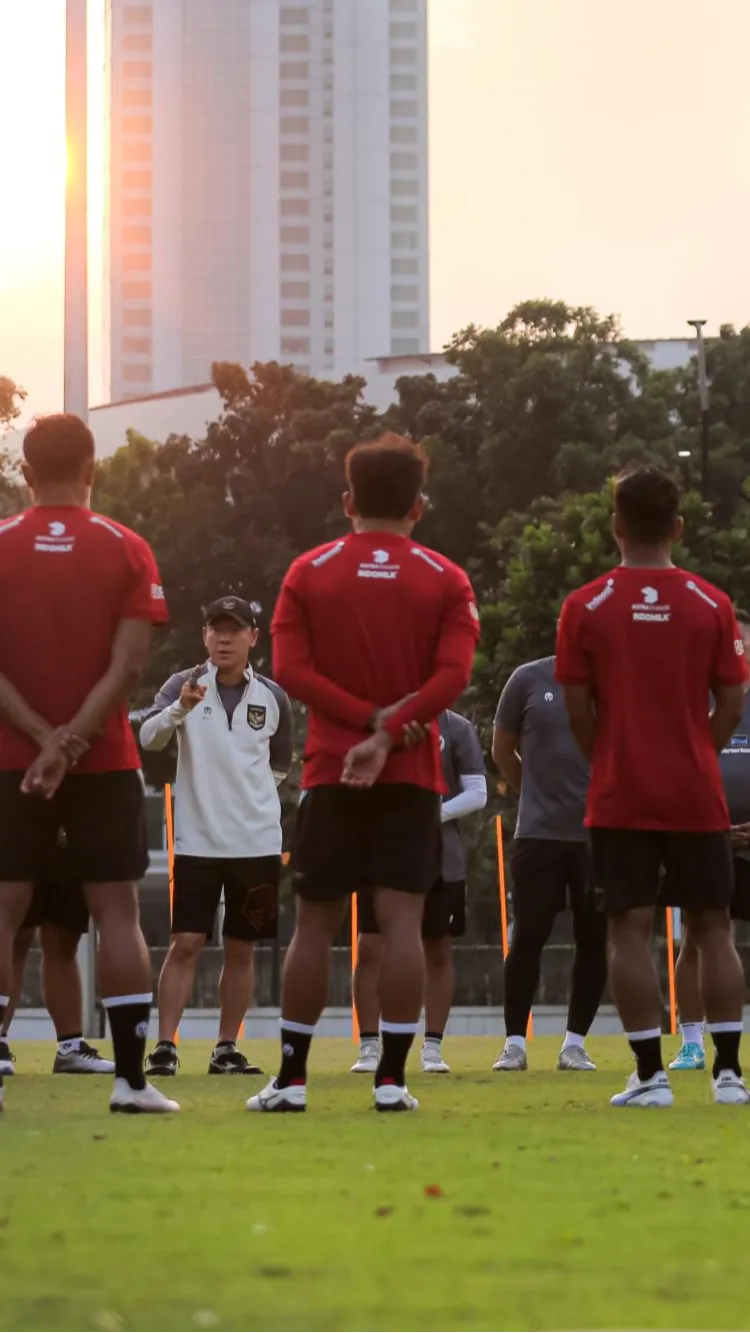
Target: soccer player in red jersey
[(376, 635), (78, 597), (639, 650)]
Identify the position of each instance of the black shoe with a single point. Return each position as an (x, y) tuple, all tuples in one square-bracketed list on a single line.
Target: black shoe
[(228, 1060), (7, 1060), (163, 1061)]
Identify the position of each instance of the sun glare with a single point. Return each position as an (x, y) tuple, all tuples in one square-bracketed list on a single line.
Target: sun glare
[(32, 113)]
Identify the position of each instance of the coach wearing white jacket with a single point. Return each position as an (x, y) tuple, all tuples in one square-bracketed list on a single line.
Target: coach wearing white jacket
[(234, 739)]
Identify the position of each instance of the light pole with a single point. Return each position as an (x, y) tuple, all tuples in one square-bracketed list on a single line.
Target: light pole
[(76, 354), (76, 345), (698, 325)]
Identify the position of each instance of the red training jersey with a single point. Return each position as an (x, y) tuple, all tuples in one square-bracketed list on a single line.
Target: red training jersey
[(652, 644), (67, 579), (360, 624)]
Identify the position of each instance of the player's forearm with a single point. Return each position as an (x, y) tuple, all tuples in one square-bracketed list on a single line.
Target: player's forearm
[(158, 728), (21, 715), (726, 715), (437, 694), (112, 690), (305, 684), (509, 765)]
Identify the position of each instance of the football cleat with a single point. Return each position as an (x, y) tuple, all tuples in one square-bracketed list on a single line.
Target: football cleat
[(729, 1089), (651, 1092), (689, 1056), (85, 1060), (391, 1097), (511, 1059), (575, 1057), (140, 1101), (273, 1098), (228, 1060), (368, 1059)]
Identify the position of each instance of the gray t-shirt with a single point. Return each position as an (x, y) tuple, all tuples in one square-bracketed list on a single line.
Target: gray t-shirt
[(734, 762), (231, 696), (554, 773), (462, 756)]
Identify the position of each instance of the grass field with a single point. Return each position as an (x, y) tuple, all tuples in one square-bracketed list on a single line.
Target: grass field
[(506, 1202)]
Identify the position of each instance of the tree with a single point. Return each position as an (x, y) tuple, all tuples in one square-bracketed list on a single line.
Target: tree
[(11, 400), (552, 399)]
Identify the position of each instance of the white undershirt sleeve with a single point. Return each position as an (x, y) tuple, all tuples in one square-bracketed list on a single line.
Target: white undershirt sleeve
[(472, 797)]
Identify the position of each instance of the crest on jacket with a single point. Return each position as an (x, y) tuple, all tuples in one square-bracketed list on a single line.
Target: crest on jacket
[(256, 716)]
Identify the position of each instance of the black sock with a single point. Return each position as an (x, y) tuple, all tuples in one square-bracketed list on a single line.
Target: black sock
[(647, 1052), (225, 1045), (295, 1047), (433, 1036), (166, 1045), (392, 1066), (3, 1035), (726, 1051), (369, 1036), (129, 1026)]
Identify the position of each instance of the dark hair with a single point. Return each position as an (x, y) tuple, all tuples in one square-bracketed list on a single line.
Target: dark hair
[(647, 502), (742, 617), (386, 476), (58, 447)]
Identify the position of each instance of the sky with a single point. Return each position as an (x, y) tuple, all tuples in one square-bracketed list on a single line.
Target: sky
[(586, 150)]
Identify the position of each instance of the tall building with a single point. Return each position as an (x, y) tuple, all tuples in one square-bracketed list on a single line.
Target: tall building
[(267, 194)]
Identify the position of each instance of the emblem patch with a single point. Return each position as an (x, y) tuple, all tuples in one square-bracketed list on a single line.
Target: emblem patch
[(256, 716)]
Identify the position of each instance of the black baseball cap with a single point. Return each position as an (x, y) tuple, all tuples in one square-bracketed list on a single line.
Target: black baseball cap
[(233, 608)]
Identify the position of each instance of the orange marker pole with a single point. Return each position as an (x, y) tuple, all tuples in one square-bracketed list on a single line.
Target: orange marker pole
[(169, 820), (355, 954), (504, 903), (671, 973)]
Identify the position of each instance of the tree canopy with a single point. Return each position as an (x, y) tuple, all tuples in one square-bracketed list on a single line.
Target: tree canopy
[(523, 442)]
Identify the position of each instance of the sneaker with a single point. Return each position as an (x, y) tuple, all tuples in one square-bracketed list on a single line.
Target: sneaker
[(511, 1058), (228, 1060), (85, 1060), (689, 1056), (272, 1098), (163, 1061), (575, 1057), (651, 1092), (368, 1059), (432, 1060), (391, 1097), (7, 1060), (729, 1089), (140, 1101)]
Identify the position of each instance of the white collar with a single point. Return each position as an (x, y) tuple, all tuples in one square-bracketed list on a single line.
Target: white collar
[(212, 671)]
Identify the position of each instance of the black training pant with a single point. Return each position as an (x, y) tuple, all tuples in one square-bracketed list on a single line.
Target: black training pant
[(548, 876)]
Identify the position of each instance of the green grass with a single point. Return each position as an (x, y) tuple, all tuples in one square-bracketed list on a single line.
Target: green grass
[(552, 1211)]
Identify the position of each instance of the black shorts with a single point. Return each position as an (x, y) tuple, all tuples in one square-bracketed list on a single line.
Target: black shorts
[(59, 903), (444, 911), (548, 875), (740, 908), (104, 819), (251, 896), (388, 837), (640, 867)]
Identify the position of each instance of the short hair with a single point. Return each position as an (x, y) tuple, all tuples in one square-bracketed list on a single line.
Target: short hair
[(742, 617), (57, 447), (386, 476), (647, 502)]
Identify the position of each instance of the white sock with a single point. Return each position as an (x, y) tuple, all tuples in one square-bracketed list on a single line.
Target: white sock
[(433, 1041), (515, 1041), (70, 1046), (692, 1034), (572, 1039)]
